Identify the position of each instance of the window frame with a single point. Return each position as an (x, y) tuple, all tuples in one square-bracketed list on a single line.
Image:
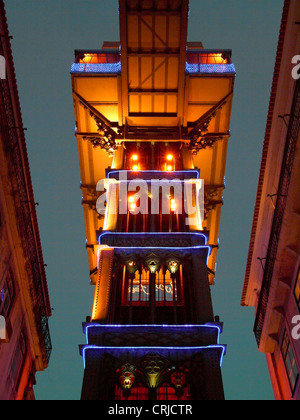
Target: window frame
[(289, 358), (174, 297), (19, 358), (7, 293)]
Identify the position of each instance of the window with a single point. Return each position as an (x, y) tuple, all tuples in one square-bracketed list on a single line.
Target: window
[(160, 292), (137, 393), (137, 158), (18, 360), (168, 393), (7, 294), (139, 288), (297, 289), (141, 393), (289, 360)]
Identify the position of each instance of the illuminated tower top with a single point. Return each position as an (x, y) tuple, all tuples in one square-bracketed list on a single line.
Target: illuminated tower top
[(153, 86)]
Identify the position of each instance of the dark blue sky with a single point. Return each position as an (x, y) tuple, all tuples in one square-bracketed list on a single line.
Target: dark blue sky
[(46, 33)]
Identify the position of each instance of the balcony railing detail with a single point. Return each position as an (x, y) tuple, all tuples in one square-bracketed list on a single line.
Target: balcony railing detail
[(282, 197)]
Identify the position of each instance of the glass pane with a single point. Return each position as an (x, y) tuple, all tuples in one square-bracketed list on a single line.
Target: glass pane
[(289, 360), (165, 289)]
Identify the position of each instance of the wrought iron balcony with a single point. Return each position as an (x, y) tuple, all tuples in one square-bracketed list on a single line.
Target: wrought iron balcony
[(282, 197)]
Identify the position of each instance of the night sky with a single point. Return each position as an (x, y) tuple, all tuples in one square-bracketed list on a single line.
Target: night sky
[(45, 35)]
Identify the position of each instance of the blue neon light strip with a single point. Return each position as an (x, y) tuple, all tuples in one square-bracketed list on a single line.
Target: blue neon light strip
[(154, 233), (219, 346), (87, 327), (96, 68), (188, 171), (113, 68), (188, 248), (210, 68)]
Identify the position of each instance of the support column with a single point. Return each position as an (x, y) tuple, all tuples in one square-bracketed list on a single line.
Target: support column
[(203, 310)]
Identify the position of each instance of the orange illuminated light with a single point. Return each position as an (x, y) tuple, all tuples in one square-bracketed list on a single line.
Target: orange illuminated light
[(135, 158), (170, 158), (173, 205), (132, 204), (93, 58), (216, 58)]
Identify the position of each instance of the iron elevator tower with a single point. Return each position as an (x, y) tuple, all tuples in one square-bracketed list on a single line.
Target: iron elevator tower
[(152, 119)]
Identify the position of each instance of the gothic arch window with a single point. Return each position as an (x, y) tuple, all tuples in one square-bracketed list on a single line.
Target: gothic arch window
[(167, 289)]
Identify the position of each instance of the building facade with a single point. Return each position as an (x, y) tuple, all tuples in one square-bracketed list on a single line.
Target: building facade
[(25, 344), (272, 280), (152, 117)]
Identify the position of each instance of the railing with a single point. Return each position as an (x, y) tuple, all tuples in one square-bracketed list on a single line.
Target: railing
[(283, 189), (115, 68), (105, 68), (210, 68), (198, 61), (209, 61)]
